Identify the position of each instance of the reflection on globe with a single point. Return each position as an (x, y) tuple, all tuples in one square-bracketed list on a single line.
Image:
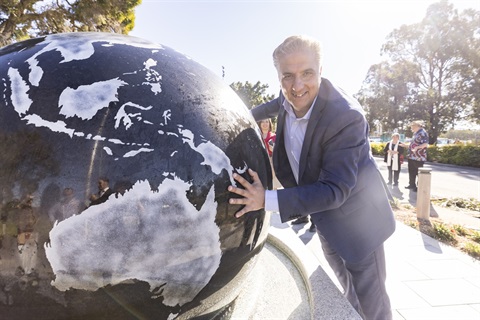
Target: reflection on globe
[(115, 159)]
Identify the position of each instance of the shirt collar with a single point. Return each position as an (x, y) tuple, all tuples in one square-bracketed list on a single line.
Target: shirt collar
[(288, 108)]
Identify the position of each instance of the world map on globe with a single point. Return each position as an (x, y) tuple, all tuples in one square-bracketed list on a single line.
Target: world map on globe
[(148, 118)]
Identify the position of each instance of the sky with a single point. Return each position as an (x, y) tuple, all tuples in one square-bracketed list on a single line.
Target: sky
[(241, 35)]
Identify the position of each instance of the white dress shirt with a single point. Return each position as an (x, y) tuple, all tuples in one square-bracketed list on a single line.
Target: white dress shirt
[(293, 134)]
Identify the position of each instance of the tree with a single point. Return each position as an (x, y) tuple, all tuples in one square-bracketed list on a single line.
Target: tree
[(465, 135), (252, 95), (432, 71), (23, 19), (385, 94)]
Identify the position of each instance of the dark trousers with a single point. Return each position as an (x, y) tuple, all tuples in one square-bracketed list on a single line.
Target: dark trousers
[(413, 166), (363, 282), (396, 174)]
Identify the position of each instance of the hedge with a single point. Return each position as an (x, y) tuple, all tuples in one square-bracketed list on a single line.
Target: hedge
[(460, 155)]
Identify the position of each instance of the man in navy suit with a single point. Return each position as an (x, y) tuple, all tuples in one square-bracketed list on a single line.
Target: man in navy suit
[(322, 158), (104, 192)]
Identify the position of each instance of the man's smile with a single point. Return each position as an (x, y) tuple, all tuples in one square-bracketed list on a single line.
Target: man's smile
[(296, 95)]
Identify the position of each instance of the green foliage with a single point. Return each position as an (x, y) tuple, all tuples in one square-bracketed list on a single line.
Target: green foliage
[(377, 148), (23, 19), (461, 203), (444, 233), (475, 236), (461, 155), (252, 95), (431, 72), (413, 224), (455, 235), (460, 230), (472, 249), (464, 135), (385, 89), (395, 203)]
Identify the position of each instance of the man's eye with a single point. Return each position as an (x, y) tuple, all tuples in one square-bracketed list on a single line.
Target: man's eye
[(287, 77), (308, 74)]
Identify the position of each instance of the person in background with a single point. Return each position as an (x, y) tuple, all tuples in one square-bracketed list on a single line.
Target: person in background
[(393, 154), (417, 152), (104, 192), (322, 158), (68, 206), (268, 136)]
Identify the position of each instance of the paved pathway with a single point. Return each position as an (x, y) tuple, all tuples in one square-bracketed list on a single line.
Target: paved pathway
[(426, 279)]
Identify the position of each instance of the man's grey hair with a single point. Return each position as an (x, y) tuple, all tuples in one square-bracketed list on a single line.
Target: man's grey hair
[(298, 43)]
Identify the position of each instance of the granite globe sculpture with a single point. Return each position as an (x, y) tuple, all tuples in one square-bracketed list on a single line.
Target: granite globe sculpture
[(115, 158)]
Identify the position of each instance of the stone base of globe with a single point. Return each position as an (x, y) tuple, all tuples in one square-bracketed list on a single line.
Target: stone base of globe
[(221, 303), (288, 281)]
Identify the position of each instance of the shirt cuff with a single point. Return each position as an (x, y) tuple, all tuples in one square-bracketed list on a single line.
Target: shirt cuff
[(271, 200)]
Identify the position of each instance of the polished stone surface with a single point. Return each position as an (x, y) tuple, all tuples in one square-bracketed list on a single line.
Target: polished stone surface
[(82, 112)]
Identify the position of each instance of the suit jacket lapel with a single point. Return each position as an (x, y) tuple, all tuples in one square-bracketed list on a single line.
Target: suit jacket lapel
[(312, 124), (280, 159)]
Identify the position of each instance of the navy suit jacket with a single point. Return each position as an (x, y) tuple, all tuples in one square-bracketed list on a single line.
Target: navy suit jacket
[(104, 197), (339, 185)]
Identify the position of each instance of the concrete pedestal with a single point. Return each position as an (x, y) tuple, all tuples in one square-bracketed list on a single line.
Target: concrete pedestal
[(289, 283), (423, 193)]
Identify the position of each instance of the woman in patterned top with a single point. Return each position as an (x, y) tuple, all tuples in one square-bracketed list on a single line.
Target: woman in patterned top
[(417, 152)]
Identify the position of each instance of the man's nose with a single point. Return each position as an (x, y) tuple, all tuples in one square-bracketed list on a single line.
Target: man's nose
[(297, 84)]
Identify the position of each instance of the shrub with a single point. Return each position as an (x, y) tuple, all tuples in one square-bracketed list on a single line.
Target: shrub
[(472, 249), (470, 203), (460, 230), (475, 236), (413, 224), (444, 233), (460, 155), (395, 203), (377, 148)]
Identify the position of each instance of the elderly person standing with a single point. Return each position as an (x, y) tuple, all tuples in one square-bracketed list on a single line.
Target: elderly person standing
[(393, 152), (417, 152)]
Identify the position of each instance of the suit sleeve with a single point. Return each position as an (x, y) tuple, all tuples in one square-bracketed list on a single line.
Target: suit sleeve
[(267, 110)]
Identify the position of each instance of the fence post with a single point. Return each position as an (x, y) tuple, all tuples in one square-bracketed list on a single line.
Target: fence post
[(423, 193)]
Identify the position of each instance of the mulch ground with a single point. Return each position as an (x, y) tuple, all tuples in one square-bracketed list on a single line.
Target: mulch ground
[(451, 234)]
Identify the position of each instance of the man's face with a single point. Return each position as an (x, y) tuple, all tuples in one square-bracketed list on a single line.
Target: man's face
[(299, 75), (102, 184), (68, 192)]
